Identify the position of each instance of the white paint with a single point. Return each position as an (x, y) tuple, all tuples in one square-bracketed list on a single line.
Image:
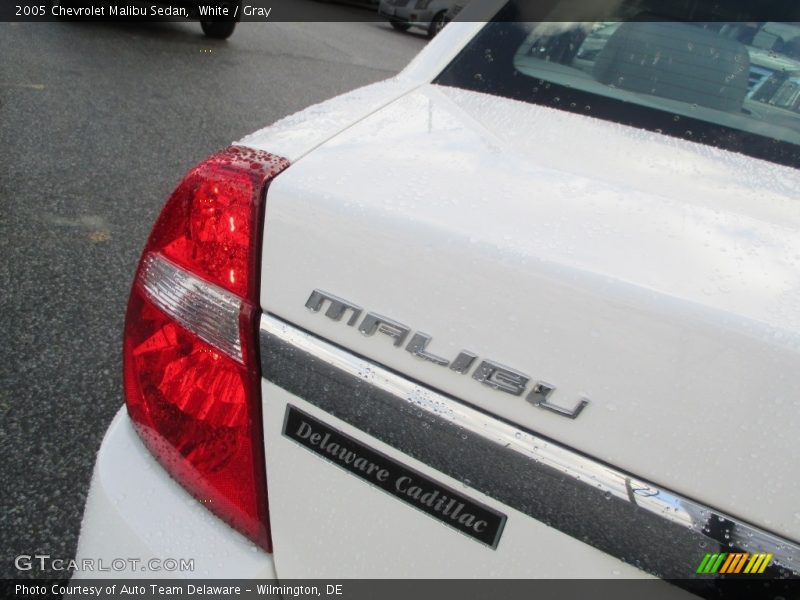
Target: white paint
[(296, 135), (658, 277)]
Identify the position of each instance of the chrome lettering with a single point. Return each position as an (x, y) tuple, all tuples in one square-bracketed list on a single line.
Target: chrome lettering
[(417, 347), (489, 373), (463, 362), (374, 322), (336, 308), (539, 397), (501, 378)]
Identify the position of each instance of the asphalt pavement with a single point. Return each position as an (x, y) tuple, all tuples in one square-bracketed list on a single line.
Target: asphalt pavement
[(98, 122)]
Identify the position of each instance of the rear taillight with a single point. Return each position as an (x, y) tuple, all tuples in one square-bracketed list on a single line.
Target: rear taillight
[(190, 344)]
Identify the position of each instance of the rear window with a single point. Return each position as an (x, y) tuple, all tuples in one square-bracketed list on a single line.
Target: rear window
[(728, 84)]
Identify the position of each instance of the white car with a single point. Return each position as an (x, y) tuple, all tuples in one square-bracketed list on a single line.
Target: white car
[(429, 15), (512, 313)]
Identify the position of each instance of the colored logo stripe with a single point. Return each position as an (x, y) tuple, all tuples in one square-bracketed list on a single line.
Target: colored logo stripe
[(740, 563), (736, 562), (727, 564)]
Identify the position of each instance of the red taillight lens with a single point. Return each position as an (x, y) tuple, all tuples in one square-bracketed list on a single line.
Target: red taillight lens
[(190, 354)]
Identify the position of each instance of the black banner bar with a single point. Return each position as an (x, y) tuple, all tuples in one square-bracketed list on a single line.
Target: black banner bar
[(384, 10), (385, 589)]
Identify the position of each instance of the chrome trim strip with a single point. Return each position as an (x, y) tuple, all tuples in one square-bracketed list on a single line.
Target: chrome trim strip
[(643, 524)]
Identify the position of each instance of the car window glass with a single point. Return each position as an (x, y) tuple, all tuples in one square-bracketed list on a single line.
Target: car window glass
[(731, 84)]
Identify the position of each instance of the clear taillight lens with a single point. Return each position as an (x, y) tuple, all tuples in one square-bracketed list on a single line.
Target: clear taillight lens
[(190, 353)]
